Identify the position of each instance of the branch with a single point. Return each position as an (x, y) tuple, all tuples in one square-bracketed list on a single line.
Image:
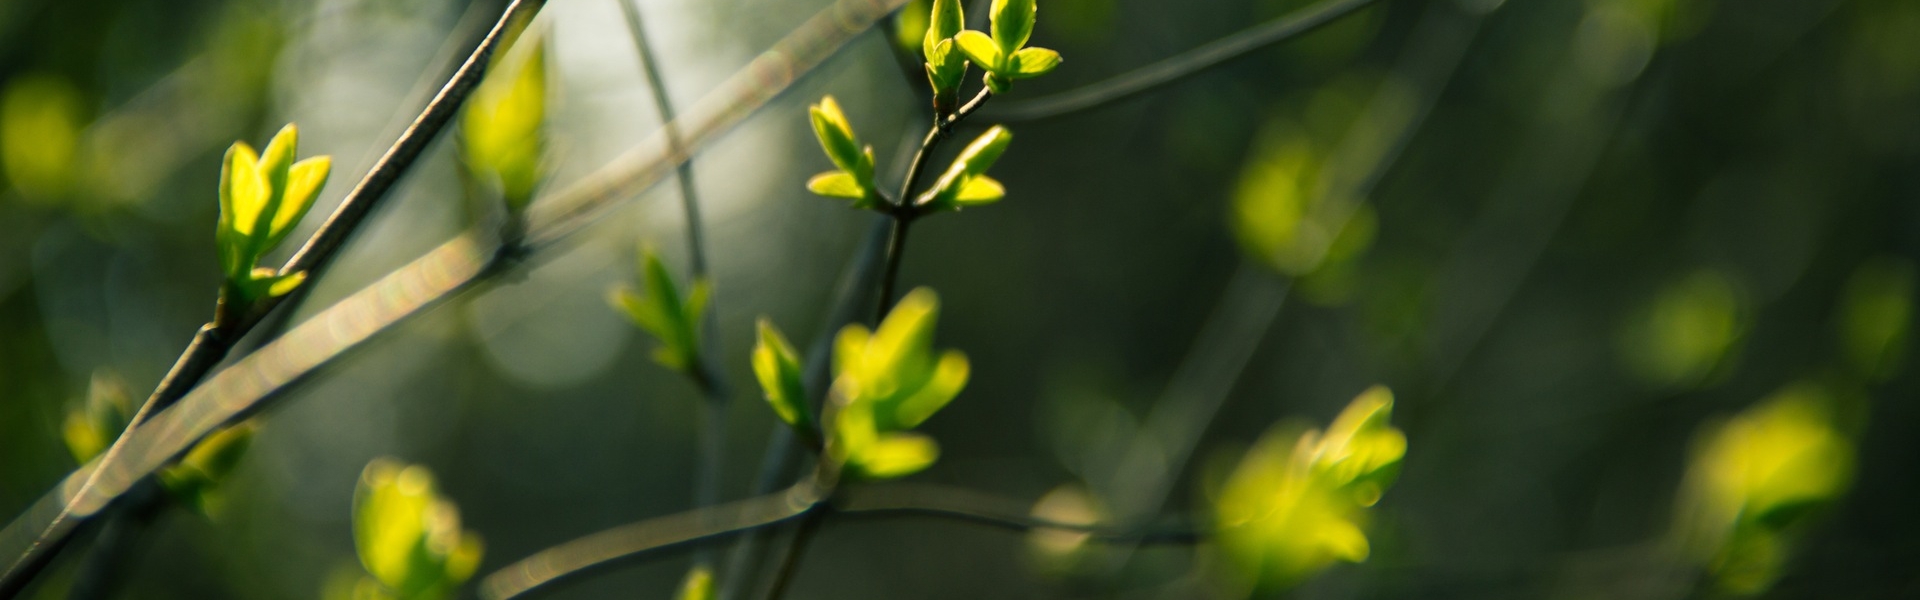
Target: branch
[(211, 344), (635, 540), (604, 549), (248, 385), (1171, 70)]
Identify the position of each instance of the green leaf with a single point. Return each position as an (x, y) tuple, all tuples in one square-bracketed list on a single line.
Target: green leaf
[(837, 184), (949, 377), (946, 20), (261, 200), (979, 48), (898, 355), (972, 162), (979, 190), (897, 455), (503, 127), (777, 366), (837, 139), (407, 535), (1032, 62), (101, 417), (1012, 22), (303, 184), (660, 310)]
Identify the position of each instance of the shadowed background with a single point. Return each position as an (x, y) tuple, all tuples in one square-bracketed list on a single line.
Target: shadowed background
[(1595, 226)]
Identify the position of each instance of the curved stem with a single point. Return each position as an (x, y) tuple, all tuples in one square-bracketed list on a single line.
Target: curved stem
[(1172, 70)]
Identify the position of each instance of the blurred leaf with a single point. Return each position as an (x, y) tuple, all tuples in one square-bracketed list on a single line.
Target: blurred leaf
[(197, 477), (836, 184), (1755, 479), (888, 381), (99, 419), (1688, 331), (698, 585), (503, 126), (660, 310), (1298, 500), (1876, 314), (40, 126), (408, 536), (778, 368)]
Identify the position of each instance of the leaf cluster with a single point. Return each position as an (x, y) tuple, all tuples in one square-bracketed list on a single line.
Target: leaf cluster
[(262, 197), (408, 535)]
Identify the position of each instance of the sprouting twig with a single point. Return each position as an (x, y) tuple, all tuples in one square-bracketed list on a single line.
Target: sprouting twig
[(455, 266)]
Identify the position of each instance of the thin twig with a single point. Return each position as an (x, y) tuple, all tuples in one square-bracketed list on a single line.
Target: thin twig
[(1171, 70), (713, 412), (904, 210), (807, 503)]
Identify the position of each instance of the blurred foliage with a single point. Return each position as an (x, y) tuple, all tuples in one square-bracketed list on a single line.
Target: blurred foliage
[(1755, 480), (886, 382), (1298, 501), (1876, 313), (672, 318), (1622, 218), (503, 126), (194, 480), (1686, 333), (409, 536)]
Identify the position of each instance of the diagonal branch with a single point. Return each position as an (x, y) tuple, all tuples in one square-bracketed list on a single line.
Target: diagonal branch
[(248, 385), (1178, 67)]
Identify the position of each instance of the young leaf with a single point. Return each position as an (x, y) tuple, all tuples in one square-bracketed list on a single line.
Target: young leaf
[(503, 127), (947, 19), (971, 163), (698, 584), (1033, 62), (836, 138), (777, 367), (979, 48), (837, 184), (407, 535), (979, 190), (196, 478), (1012, 23), (261, 199), (897, 455), (660, 309)]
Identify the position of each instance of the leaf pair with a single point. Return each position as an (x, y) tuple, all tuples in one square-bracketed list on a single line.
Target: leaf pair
[(673, 319), (1005, 56), (1296, 503), (888, 381), (408, 536), (854, 178), (262, 197), (965, 182)]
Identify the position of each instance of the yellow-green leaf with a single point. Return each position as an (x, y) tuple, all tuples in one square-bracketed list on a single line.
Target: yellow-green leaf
[(979, 48), (1012, 22), (837, 184), (897, 455), (979, 190), (1032, 62), (777, 366)]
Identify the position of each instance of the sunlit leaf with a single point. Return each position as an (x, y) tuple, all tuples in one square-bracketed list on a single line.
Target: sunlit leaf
[(972, 162), (837, 184), (777, 366), (698, 584), (503, 126), (979, 48), (659, 309), (979, 190), (1681, 339), (408, 536), (1011, 24), (897, 455), (1755, 480), (1033, 62)]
